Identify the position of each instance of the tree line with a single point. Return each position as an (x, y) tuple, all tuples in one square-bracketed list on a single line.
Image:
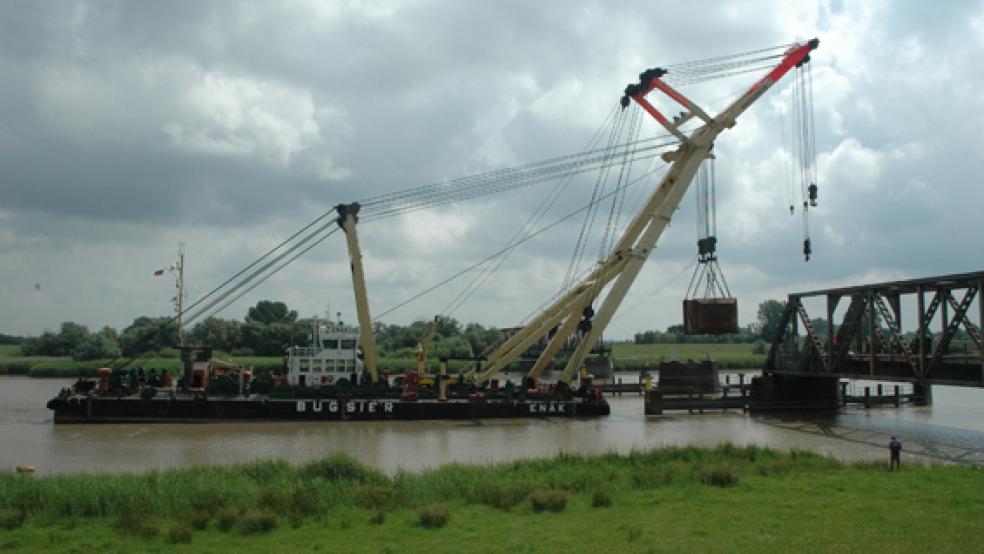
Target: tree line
[(268, 329), (766, 328)]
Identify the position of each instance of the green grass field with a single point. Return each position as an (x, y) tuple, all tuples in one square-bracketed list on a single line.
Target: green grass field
[(9, 350), (630, 357), (672, 500), (728, 355)]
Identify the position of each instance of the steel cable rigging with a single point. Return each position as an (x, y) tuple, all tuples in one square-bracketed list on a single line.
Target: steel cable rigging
[(804, 140), (548, 202), (600, 180), (454, 190), (512, 246)]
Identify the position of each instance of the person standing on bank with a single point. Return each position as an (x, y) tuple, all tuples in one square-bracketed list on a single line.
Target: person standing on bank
[(895, 446)]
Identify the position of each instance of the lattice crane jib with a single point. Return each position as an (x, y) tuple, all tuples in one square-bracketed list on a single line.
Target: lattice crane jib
[(620, 268)]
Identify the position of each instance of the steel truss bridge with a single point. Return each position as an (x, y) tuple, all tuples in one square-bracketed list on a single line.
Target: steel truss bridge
[(867, 342)]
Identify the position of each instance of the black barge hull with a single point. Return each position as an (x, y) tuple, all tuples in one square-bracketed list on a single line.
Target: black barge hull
[(94, 409)]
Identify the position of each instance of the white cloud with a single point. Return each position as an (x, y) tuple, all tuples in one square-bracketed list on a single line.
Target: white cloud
[(220, 114), (434, 231), (850, 166)]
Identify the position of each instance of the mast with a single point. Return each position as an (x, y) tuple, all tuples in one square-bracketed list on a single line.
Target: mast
[(347, 218), (181, 293)]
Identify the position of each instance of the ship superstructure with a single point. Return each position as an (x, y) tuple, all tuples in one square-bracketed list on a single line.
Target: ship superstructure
[(332, 358)]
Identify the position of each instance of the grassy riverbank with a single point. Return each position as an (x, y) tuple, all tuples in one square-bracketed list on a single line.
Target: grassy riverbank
[(687, 499), (727, 355), (627, 357)]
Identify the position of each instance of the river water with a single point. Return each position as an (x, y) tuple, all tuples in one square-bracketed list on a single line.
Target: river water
[(952, 430)]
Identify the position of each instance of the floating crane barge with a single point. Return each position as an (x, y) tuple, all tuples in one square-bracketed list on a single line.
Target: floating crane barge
[(331, 381)]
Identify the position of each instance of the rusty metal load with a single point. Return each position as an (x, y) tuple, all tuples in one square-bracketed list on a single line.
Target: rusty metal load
[(710, 316)]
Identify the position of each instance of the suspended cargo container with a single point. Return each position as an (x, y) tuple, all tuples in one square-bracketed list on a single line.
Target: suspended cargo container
[(710, 316)]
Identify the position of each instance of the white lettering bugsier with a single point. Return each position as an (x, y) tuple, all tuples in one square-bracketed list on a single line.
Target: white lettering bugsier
[(351, 407)]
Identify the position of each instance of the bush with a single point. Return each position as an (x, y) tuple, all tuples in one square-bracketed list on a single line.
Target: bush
[(555, 500), (227, 518), (197, 519), (652, 477), (378, 519), (274, 499), (209, 500), (295, 520), (256, 521), (719, 475), (137, 524), (434, 516), (11, 519), (372, 497), (180, 533), (339, 467), (601, 499), (500, 497), (304, 501)]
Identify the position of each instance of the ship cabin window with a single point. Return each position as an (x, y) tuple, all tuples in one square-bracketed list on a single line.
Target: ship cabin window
[(348, 344), (318, 364), (304, 365), (347, 365)]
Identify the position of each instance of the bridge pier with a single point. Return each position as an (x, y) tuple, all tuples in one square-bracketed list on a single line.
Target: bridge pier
[(922, 394), (779, 392)]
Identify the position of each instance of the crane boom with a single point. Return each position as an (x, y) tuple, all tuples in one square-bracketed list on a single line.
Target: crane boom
[(347, 218), (628, 256)]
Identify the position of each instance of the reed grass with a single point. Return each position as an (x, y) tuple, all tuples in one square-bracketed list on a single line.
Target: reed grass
[(314, 488), (747, 497)]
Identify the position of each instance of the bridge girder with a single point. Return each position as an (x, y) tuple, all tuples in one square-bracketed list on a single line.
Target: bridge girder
[(869, 341)]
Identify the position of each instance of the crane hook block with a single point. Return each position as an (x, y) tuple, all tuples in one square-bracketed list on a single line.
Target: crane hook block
[(706, 246), (807, 250), (812, 189), (346, 209)]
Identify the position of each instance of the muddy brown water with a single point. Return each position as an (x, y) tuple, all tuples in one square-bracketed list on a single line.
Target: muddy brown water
[(952, 430)]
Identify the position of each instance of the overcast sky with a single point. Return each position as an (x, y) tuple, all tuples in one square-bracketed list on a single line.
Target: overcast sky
[(128, 127)]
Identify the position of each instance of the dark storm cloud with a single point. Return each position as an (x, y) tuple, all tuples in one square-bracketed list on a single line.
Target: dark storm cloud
[(126, 127)]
